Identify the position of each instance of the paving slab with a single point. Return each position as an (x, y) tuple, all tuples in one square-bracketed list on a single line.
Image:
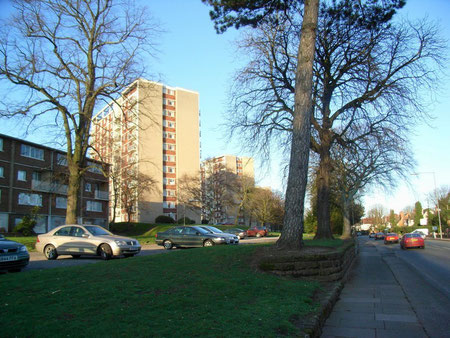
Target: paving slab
[(372, 303)]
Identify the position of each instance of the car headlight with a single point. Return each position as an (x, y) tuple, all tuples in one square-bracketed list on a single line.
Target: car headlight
[(221, 239), (121, 243), (23, 249)]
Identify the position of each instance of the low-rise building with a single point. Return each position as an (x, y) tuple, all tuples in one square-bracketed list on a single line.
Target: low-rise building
[(33, 175)]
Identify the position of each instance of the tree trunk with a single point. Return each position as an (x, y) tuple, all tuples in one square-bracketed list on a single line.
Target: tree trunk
[(323, 197), (346, 231), (73, 193), (292, 234)]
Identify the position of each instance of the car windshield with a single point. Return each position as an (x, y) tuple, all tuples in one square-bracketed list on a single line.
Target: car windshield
[(97, 231)]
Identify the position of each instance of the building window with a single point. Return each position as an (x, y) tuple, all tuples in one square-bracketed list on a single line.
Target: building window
[(169, 169), (33, 152), (21, 175), (169, 113), (94, 167), (36, 176), (30, 199), (94, 206), (168, 146), (88, 187), (2, 172), (61, 159), (1, 144), (61, 202)]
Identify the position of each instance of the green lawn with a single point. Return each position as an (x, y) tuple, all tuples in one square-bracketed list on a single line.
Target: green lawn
[(191, 292)]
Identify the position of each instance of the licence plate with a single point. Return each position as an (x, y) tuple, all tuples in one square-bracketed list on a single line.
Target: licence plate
[(414, 240), (8, 258)]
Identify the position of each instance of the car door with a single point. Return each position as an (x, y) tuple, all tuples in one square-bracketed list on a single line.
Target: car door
[(81, 244), (61, 240), (191, 237)]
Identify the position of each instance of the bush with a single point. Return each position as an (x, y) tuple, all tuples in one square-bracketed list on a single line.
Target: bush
[(205, 221), (188, 221), (162, 219), (26, 225)]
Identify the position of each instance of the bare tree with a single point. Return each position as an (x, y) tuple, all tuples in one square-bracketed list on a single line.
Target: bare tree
[(273, 12), (376, 214), (67, 56), (369, 77), (266, 206), (132, 190), (375, 160)]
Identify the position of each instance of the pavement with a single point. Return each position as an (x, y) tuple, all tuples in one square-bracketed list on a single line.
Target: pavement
[(372, 302)]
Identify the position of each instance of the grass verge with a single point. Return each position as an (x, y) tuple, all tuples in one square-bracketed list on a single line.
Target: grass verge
[(195, 292)]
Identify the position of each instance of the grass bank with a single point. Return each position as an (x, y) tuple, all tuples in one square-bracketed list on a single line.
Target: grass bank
[(194, 292)]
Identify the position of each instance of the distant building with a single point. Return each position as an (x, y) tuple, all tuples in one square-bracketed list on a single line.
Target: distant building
[(242, 167), (151, 137), (32, 175)]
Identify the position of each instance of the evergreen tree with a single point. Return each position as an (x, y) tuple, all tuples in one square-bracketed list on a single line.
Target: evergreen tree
[(417, 213)]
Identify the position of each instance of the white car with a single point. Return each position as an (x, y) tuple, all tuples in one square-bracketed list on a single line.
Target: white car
[(77, 240), (422, 232)]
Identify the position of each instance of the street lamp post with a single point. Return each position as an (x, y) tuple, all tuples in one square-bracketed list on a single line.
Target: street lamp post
[(436, 196)]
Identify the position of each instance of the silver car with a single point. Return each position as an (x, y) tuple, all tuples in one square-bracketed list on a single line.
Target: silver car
[(77, 240)]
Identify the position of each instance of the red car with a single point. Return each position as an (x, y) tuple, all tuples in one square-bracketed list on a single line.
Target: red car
[(257, 232), (412, 241), (391, 238)]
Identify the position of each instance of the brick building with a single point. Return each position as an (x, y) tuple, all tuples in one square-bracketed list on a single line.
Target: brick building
[(32, 175)]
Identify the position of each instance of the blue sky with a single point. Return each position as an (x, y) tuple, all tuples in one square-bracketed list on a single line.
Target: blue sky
[(194, 57)]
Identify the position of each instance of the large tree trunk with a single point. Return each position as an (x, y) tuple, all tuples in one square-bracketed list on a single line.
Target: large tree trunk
[(323, 197), (73, 193), (346, 231), (292, 234)]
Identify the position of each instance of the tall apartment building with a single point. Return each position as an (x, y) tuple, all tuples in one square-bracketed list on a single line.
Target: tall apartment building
[(32, 175), (226, 205), (151, 137)]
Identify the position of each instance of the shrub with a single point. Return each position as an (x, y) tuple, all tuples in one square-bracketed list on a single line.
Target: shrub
[(26, 225), (188, 221), (162, 219), (205, 221)]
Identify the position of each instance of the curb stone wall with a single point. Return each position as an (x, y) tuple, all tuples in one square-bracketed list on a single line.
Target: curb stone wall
[(327, 266)]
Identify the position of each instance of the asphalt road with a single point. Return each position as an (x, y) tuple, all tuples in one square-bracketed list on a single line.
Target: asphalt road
[(424, 276), (39, 262)]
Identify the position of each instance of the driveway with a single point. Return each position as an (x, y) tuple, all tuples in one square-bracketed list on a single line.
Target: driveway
[(39, 262)]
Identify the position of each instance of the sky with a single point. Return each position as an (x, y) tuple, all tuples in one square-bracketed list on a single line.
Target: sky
[(193, 56)]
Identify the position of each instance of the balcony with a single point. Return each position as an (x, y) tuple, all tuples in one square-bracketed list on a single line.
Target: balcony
[(101, 195), (47, 186)]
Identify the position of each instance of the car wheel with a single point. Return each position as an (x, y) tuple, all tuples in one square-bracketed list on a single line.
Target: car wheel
[(168, 245), (76, 256), (50, 252), (128, 255), (15, 270), (105, 252), (208, 242), (422, 247), (258, 235)]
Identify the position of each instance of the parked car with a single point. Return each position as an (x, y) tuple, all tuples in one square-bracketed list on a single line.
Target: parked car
[(391, 238), (189, 236), (257, 232), (379, 235), (13, 256), (78, 240), (238, 232), (231, 238), (412, 240), (372, 235)]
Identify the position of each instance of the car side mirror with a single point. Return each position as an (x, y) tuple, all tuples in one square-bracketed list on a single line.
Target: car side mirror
[(85, 235)]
